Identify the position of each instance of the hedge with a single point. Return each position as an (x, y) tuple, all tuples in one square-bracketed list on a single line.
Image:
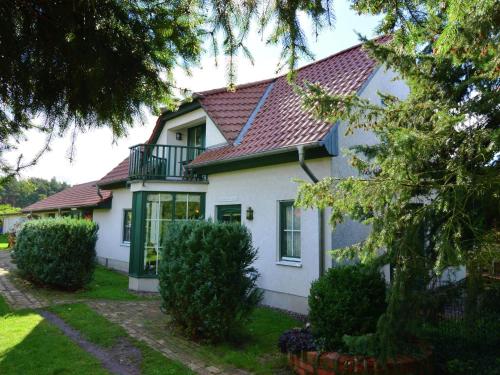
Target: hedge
[(58, 253), (207, 281)]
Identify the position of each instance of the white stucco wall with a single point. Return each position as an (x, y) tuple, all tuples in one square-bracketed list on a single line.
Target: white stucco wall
[(384, 81), (172, 186), (10, 221), (110, 248), (180, 124), (285, 286)]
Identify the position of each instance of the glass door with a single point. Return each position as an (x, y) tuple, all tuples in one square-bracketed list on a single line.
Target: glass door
[(159, 208)]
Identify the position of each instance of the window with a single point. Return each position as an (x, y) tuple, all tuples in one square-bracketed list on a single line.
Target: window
[(289, 232), (229, 213), (127, 225), (161, 209)]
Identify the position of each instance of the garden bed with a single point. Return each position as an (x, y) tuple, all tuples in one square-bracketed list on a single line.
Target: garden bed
[(333, 363)]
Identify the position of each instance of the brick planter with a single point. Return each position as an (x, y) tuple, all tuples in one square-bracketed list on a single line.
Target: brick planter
[(333, 363)]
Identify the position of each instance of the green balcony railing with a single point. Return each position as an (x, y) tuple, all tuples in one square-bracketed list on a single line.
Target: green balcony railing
[(163, 162)]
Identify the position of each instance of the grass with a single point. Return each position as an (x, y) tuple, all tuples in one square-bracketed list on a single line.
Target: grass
[(100, 331), (31, 346), (4, 242), (257, 349), (107, 285)]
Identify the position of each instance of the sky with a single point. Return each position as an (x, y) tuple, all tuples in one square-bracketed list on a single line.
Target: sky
[(96, 153)]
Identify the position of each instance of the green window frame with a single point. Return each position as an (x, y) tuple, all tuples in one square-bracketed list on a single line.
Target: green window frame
[(289, 232), (151, 213), (196, 136), (229, 213), (127, 226)]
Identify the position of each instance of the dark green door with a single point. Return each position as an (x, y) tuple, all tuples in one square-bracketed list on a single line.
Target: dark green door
[(229, 213), (196, 138)]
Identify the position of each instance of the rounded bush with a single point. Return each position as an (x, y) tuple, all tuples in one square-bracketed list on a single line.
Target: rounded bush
[(59, 253), (207, 282), (346, 300)]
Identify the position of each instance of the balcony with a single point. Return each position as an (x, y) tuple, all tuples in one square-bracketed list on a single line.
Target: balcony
[(163, 162)]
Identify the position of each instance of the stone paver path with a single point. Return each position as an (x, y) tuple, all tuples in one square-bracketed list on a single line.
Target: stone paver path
[(17, 299), (136, 318)]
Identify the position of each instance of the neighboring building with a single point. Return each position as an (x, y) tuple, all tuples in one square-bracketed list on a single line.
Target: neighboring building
[(77, 201), (10, 221), (234, 156)]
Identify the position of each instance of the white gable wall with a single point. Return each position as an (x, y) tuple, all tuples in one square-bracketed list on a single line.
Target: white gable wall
[(351, 232), (181, 123)]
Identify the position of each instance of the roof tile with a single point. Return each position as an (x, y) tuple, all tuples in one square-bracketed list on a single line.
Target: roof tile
[(82, 195), (281, 121), (117, 174)]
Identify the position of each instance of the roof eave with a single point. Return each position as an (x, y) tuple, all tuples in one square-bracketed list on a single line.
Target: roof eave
[(247, 159)]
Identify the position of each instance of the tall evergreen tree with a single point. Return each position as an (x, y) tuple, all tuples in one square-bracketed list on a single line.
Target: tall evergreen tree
[(435, 172), (82, 64)]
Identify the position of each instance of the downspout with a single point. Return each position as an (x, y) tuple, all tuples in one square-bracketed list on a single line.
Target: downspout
[(321, 214)]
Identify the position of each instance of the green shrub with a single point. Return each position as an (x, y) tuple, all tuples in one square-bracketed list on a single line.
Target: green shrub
[(207, 281), (59, 253), (346, 300)]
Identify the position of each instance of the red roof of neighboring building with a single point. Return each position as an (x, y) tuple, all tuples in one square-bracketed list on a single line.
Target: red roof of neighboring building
[(281, 122), (82, 195), (117, 174)]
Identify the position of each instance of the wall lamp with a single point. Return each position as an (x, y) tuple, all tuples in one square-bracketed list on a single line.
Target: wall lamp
[(249, 213), (178, 136)]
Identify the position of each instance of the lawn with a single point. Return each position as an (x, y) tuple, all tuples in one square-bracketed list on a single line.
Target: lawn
[(102, 332), (107, 285), (4, 242), (257, 348), (31, 346)]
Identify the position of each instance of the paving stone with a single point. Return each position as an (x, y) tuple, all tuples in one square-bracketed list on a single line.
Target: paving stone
[(144, 321), (17, 299)]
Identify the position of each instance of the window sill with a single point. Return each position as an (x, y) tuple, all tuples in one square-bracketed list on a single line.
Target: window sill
[(289, 263), (125, 244)]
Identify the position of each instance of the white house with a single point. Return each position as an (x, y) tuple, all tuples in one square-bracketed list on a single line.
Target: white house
[(11, 221), (234, 156)]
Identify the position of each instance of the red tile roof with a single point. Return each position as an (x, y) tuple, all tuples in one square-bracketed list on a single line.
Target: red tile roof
[(82, 195), (281, 122), (117, 174), (230, 110)]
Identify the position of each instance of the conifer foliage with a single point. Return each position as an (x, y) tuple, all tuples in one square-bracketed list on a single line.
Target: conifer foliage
[(431, 187)]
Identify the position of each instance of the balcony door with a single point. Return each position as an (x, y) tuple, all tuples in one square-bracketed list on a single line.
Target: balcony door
[(196, 138)]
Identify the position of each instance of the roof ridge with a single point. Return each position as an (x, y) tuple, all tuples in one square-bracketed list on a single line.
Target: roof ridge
[(262, 81), (360, 44), (237, 87), (253, 114)]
